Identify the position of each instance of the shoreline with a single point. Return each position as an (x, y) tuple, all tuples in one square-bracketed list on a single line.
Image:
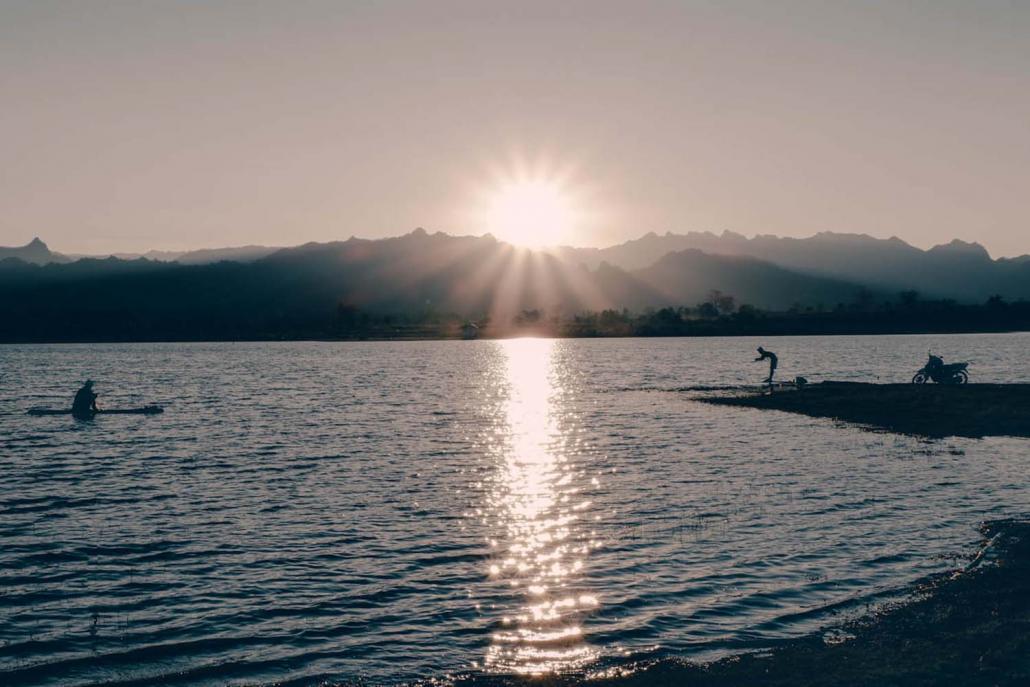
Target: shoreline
[(528, 334), (931, 410), (967, 626)]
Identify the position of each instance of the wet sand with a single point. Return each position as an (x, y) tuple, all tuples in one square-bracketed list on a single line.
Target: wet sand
[(969, 410)]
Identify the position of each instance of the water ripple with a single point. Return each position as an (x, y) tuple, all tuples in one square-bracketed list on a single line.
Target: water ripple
[(384, 513)]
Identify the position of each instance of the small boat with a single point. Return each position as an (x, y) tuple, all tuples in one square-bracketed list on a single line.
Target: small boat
[(145, 410)]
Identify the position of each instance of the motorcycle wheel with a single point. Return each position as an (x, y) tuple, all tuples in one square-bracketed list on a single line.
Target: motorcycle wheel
[(920, 378), (961, 377)]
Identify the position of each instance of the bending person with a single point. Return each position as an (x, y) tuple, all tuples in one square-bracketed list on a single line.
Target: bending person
[(773, 360)]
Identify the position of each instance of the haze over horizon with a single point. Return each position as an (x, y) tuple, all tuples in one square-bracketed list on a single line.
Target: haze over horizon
[(170, 126), (555, 248)]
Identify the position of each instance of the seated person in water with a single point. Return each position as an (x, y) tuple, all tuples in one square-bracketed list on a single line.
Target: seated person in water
[(764, 354), (85, 400)]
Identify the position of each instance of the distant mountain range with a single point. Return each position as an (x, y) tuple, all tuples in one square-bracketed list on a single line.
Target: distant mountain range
[(202, 256), (38, 253), (262, 292), (959, 270), (964, 271)]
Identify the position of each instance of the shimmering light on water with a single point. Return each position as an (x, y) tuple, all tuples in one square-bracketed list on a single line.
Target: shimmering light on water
[(342, 513), (536, 510)]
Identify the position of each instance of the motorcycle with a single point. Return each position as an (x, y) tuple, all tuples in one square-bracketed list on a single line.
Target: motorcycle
[(935, 370)]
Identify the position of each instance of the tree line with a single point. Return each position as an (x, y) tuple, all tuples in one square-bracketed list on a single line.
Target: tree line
[(719, 314)]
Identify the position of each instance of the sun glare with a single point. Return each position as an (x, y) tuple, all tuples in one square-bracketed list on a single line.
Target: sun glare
[(530, 203), (530, 212)]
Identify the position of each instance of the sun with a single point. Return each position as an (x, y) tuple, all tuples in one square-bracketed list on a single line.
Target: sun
[(530, 212)]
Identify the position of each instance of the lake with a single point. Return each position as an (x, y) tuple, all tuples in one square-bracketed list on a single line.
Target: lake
[(386, 513)]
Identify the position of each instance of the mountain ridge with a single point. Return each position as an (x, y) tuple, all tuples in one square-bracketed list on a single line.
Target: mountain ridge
[(35, 252), (957, 269), (319, 288), (960, 270)]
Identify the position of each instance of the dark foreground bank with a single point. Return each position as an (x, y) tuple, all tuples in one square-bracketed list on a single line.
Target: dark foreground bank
[(969, 410), (970, 627)]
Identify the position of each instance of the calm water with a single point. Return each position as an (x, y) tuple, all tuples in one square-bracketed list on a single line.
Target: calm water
[(389, 512)]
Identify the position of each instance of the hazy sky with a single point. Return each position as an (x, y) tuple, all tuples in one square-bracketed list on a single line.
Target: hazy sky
[(136, 125)]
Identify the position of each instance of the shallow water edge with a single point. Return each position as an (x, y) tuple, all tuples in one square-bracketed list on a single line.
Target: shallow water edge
[(966, 627)]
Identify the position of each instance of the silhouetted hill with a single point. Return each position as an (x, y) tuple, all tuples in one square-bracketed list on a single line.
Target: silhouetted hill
[(35, 252), (17, 273), (688, 276), (308, 291), (319, 290), (202, 256), (960, 270)]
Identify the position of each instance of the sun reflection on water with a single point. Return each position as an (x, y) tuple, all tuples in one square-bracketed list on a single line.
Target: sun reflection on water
[(535, 510)]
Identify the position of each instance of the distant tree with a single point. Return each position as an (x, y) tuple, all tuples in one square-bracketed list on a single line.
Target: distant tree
[(747, 312), (707, 311), (667, 316), (723, 302), (996, 301), (528, 317), (613, 318)]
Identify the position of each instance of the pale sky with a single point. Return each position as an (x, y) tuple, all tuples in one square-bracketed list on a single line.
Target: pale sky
[(126, 126)]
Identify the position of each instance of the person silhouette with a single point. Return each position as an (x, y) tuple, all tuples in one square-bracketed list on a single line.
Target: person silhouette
[(85, 403), (773, 361)]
